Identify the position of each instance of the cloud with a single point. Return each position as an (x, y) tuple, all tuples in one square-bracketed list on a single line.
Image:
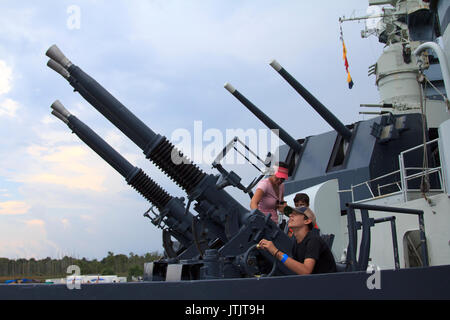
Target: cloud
[(5, 77), (8, 107), (202, 30), (69, 166), (25, 239), (4, 193), (21, 23), (66, 223), (86, 217), (14, 208), (35, 222)]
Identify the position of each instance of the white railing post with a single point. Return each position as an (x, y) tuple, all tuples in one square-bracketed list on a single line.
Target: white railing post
[(402, 176)]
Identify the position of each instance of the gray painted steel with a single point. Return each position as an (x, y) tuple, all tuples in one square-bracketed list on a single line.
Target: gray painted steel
[(413, 283)]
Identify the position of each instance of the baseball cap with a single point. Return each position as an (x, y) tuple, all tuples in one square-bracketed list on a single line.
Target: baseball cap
[(282, 173), (301, 210)]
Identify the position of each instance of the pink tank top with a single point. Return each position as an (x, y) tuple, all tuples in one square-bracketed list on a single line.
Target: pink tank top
[(267, 204)]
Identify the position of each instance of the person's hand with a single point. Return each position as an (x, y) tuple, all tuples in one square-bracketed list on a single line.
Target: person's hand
[(281, 206), (267, 245)]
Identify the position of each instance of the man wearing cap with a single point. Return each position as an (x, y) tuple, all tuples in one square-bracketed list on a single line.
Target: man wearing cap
[(310, 254), (302, 200), (269, 194)]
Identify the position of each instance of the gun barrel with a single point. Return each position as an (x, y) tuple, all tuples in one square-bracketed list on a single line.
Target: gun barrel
[(177, 219), (55, 66), (316, 104), (133, 175), (212, 202), (157, 148), (94, 102), (225, 222), (291, 142), (60, 116), (101, 96), (56, 54)]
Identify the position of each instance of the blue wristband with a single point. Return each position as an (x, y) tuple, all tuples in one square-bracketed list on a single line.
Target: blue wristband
[(285, 257)]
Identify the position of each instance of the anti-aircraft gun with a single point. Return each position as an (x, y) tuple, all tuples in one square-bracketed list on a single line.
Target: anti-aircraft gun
[(174, 219), (224, 247), (230, 252), (295, 147)]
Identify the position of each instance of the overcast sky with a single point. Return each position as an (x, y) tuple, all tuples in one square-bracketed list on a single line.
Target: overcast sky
[(167, 61)]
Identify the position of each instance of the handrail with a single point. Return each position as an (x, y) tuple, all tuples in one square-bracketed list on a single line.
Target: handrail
[(404, 177), (442, 61), (419, 146), (367, 223), (425, 171)]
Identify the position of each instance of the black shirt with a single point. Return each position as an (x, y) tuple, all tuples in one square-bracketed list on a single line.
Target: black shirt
[(313, 246)]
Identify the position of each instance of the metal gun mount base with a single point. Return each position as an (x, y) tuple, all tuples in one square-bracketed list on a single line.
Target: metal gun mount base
[(235, 259)]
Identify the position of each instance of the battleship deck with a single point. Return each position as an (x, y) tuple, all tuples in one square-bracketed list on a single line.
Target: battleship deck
[(413, 283)]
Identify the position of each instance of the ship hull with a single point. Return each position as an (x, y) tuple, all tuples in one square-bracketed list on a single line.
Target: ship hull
[(429, 283)]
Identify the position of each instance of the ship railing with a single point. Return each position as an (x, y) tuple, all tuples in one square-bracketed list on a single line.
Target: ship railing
[(423, 172), (360, 263), (367, 184), (402, 183)]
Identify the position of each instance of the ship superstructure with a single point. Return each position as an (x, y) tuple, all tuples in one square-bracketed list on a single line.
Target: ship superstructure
[(399, 158)]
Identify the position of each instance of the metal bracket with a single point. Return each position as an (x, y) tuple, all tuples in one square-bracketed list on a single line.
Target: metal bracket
[(231, 178)]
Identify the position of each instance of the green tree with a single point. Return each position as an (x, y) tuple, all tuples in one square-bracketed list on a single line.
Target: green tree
[(107, 271), (135, 271)]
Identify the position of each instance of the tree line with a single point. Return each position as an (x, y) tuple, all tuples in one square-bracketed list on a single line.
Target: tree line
[(118, 264)]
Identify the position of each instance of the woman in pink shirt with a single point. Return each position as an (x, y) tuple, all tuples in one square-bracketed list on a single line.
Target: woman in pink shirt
[(269, 194)]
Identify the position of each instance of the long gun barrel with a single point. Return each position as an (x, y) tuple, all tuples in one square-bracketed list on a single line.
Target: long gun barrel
[(232, 228), (155, 147), (236, 229), (218, 204), (177, 219), (85, 94), (284, 136), (316, 104)]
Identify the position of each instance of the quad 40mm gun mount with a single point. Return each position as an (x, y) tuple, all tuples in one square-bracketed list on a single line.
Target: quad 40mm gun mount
[(238, 231), (174, 219)]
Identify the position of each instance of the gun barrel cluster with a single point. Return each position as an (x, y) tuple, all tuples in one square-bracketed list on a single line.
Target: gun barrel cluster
[(316, 104), (214, 206), (222, 224)]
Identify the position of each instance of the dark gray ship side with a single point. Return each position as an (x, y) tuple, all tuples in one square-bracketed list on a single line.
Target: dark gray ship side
[(430, 283)]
